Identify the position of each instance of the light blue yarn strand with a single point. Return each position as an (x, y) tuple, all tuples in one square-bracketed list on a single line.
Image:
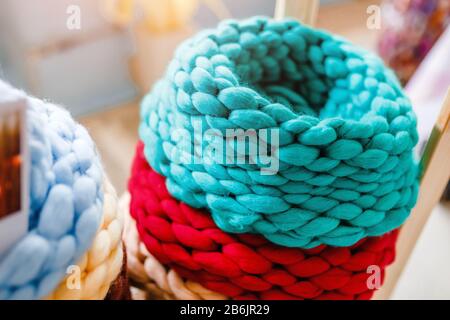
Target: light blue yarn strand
[(66, 201), (347, 132)]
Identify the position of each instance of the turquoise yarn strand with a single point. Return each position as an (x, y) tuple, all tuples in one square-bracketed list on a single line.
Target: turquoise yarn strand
[(66, 201), (346, 131)]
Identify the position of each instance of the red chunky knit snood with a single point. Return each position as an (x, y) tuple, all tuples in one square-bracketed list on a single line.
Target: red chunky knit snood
[(245, 266)]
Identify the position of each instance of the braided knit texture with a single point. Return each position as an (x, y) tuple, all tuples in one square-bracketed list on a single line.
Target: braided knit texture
[(346, 133), (66, 200), (246, 266), (149, 275), (102, 263)]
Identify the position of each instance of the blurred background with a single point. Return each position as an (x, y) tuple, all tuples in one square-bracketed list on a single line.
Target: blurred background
[(119, 47), (98, 57)]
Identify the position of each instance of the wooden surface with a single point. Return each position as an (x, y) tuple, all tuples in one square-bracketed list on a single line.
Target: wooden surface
[(349, 19), (115, 133)]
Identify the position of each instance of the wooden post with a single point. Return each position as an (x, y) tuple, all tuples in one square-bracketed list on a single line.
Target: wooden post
[(435, 176), (303, 10)]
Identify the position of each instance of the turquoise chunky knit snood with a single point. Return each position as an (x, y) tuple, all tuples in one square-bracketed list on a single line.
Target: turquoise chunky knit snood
[(66, 201), (346, 133)]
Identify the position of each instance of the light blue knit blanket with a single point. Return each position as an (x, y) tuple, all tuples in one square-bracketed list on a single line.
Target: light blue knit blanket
[(66, 201), (345, 130)]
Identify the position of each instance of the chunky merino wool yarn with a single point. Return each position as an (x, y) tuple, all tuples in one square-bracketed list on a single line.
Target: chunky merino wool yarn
[(247, 266), (101, 265), (346, 133), (66, 200)]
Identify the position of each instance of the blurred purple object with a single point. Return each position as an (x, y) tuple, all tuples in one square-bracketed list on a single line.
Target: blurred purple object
[(410, 29)]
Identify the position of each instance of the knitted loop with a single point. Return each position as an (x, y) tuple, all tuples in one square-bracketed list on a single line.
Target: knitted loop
[(246, 266), (65, 201), (150, 275), (346, 133), (101, 265)]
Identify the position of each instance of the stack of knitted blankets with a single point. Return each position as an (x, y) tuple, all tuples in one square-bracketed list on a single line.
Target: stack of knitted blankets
[(275, 162)]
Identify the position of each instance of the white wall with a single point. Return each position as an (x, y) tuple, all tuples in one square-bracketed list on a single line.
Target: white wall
[(85, 76)]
